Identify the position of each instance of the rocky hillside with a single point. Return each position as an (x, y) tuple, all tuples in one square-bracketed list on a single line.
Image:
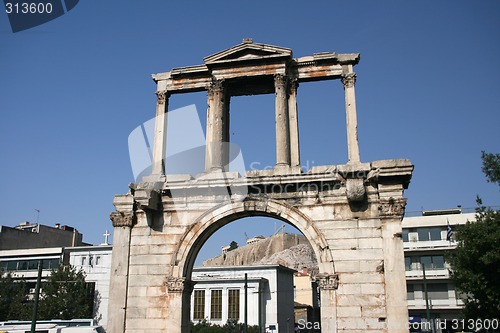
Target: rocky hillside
[(290, 250)]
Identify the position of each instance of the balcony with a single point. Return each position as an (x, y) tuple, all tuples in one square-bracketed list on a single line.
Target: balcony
[(414, 245)]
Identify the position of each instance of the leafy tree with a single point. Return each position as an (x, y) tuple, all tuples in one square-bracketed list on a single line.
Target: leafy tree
[(475, 263), (14, 303), (491, 166), (66, 295)]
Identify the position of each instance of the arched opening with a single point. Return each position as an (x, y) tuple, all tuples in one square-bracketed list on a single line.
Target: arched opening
[(239, 233), (219, 216), (192, 242)]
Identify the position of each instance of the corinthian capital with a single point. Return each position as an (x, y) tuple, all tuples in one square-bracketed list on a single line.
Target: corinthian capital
[(293, 84), (392, 207), (280, 80), (178, 284), (161, 96), (328, 281), (217, 85), (348, 80), (122, 219)]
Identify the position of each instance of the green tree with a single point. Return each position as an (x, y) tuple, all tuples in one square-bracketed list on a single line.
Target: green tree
[(14, 304), (66, 295), (491, 166), (475, 263)]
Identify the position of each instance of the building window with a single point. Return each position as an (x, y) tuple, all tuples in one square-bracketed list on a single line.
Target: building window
[(233, 298), (199, 305), (97, 260), (433, 262), (437, 291), (408, 263), (405, 235), (84, 260), (410, 292), (429, 234), (32, 265), (216, 304), (50, 263)]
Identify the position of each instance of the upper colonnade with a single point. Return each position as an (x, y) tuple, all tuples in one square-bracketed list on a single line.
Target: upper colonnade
[(251, 69)]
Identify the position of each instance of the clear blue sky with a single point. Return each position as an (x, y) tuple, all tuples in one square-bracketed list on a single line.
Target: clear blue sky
[(73, 89)]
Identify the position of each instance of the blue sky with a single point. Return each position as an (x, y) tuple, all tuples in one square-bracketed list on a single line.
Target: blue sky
[(74, 88)]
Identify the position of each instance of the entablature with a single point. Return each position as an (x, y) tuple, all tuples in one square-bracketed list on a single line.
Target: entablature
[(249, 69)]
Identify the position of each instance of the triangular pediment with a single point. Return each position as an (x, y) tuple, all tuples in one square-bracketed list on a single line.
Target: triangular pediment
[(248, 51)]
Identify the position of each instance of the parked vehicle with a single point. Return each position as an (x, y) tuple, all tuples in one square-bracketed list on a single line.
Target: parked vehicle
[(50, 328)]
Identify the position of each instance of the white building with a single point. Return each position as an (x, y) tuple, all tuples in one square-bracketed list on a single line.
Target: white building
[(219, 296), (425, 241), (95, 261)]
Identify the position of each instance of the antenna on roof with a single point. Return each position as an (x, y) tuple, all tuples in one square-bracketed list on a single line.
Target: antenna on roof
[(37, 215)]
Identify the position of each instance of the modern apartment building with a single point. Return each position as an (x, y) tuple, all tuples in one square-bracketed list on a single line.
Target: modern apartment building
[(426, 241)]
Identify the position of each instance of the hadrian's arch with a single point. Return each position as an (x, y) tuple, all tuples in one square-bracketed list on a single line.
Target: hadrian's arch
[(350, 213)]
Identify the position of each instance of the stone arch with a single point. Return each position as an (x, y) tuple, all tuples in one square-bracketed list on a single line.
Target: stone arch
[(214, 219)]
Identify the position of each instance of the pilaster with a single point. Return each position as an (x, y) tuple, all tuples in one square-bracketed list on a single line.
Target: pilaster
[(391, 212), (123, 219), (328, 285)]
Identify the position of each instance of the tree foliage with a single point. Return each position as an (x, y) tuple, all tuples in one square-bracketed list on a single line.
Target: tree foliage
[(64, 295), (14, 303), (231, 326), (475, 263), (491, 166)]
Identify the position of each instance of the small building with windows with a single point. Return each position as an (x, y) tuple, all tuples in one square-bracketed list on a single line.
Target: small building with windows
[(95, 261), (219, 295), (22, 249), (426, 239)]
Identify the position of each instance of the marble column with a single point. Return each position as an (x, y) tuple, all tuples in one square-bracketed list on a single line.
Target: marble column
[(160, 138), (349, 80), (282, 122), (217, 127), (293, 123)]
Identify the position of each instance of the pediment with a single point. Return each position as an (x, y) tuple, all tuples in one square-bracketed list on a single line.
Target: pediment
[(248, 51)]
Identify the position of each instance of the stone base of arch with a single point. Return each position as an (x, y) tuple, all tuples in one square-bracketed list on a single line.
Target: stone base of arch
[(351, 215)]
